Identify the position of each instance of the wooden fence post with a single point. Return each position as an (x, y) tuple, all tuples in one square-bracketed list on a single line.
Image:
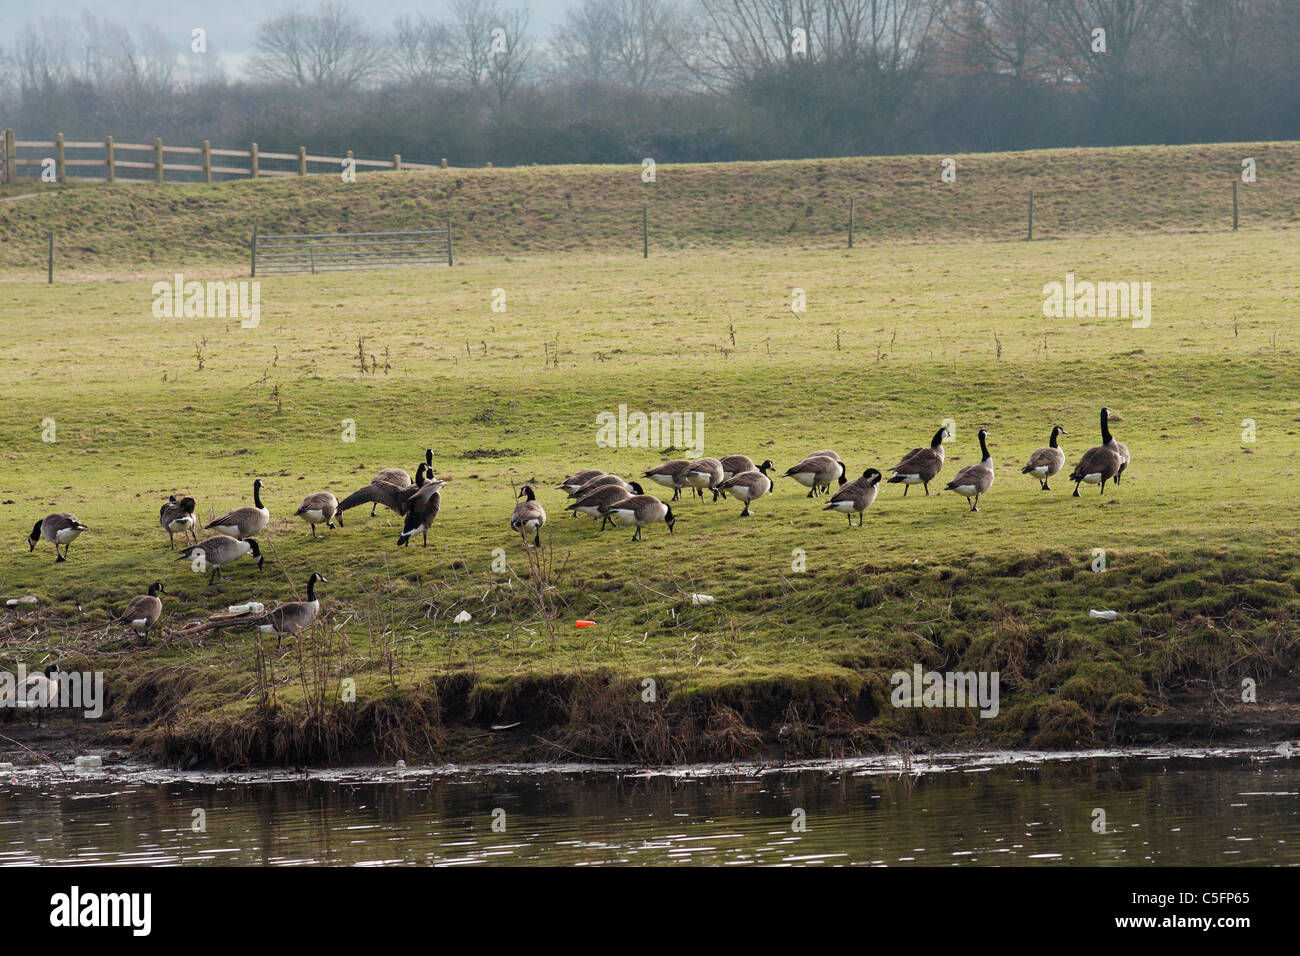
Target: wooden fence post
[(1030, 236), (302, 160), (850, 222), (252, 160), (352, 166), (397, 162), (158, 160), (109, 162), (1234, 205), (444, 162), (252, 255), (207, 160), (59, 169), (8, 157)]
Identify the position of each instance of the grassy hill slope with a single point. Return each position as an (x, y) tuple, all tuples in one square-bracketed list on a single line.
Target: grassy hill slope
[(790, 205)]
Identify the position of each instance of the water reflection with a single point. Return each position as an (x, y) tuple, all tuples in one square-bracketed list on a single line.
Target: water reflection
[(1207, 808)]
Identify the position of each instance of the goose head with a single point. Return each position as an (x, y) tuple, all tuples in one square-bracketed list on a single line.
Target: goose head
[(842, 473), (34, 536), (669, 519), (766, 466), (255, 551), (428, 458), (156, 588), (636, 488), (527, 493), (873, 476)]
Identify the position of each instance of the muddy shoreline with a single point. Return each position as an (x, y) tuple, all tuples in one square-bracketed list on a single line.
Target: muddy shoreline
[(1190, 720)]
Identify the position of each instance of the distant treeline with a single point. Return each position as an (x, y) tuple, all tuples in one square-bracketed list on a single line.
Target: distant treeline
[(680, 80)]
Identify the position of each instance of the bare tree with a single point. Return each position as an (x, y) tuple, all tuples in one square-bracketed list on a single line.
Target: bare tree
[(422, 50), (329, 49), (628, 42), (1131, 27), (1003, 36), (492, 48)]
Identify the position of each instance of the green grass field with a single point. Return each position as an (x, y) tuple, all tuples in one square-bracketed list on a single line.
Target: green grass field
[(1203, 563)]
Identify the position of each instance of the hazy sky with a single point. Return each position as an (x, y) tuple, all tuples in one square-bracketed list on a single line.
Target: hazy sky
[(232, 24)]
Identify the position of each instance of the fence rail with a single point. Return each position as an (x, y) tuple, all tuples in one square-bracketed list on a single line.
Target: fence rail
[(342, 252), (103, 165)]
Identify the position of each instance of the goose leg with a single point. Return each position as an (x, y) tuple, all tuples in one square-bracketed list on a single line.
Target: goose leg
[(927, 489), (373, 504), (537, 540), (905, 487), (171, 539), (1076, 491)]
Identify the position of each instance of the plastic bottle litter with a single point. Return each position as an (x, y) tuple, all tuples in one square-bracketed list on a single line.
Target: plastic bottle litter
[(89, 762), (400, 765), (25, 599), (464, 617), (703, 599), (1103, 615), (252, 607), (584, 623)]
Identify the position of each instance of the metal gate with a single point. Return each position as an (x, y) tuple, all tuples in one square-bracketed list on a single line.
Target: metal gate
[(343, 251)]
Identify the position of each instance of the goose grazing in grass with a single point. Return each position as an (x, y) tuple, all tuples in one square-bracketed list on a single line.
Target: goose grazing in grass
[(218, 551), (703, 474), (671, 474), (319, 508), (1118, 447), (59, 528), (529, 516), (817, 472), (244, 522), (386, 493), (974, 480), (594, 504), (144, 610), (296, 616), (177, 515), (1045, 462), (33, 692), (600, 481), (1099, 464), (641, 510), (421, 508), (579, 478), (733, 465), (920, 466), (857, 496), (749, 486)]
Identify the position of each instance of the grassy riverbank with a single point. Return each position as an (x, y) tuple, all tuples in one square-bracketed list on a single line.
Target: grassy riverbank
[(1201, 542)]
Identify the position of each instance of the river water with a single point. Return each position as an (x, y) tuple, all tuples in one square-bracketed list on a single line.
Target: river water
[(1211, 807)]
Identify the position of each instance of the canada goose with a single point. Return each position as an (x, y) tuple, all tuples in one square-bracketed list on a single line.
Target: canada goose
[(920, 466), (59, 528), (580, 478), (703, 474), (319, 508), (144, 610), (816, 473), (386, 493), (856, 496), (178, 515), (823, 453), (1045, 462), (421, 508), (600, 481), (1099, 464), (34, 692), (733, 465), (529, 516), (244, 522), (218, 551), (1110, 442), (296, 616), (641, 510), (749, 486), (671, 474), (974, 480), (398, 477), (594, 504)]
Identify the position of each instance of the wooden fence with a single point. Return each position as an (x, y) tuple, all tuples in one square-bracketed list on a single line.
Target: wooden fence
[(100, 161)]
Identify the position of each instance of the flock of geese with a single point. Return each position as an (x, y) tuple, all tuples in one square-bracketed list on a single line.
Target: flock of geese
[(594, 493)]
